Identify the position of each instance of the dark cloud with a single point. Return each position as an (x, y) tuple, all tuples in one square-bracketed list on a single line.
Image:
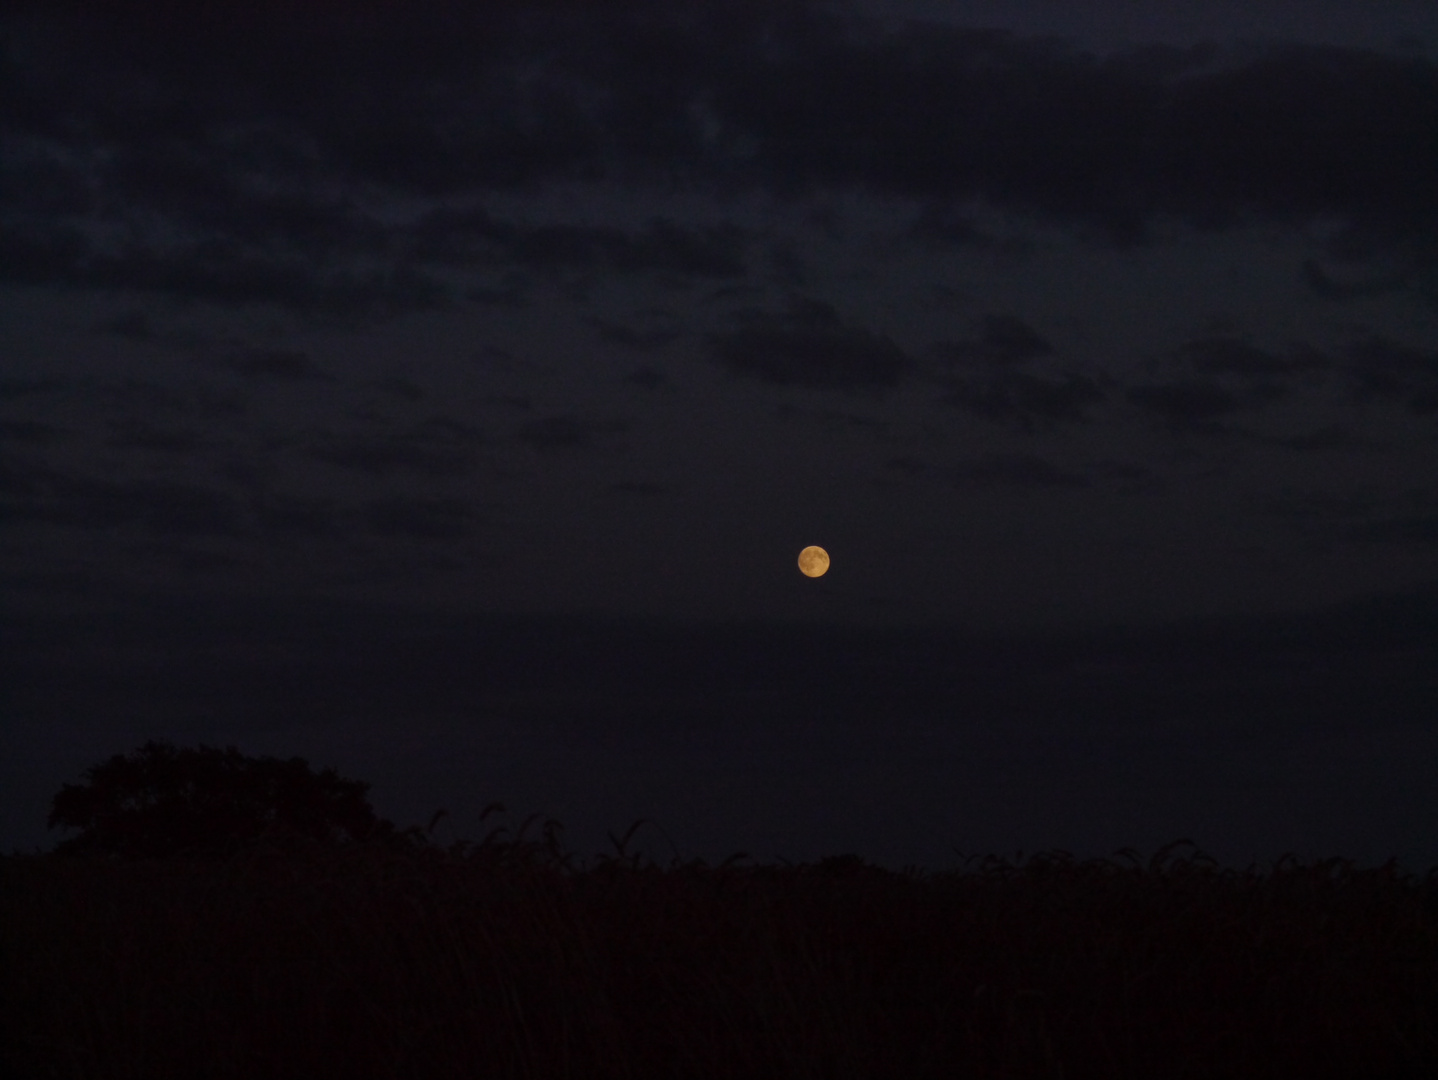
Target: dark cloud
[(437, 447), (941, 226), (1126, 477), (1230, 356), (955, 113), (287, 515), (142, 394), (1363, 517), (192, 560), (405, 389), (1324, 506), (513, 401), (787, 264), (1384, 370), (419, 519), (1192, 404), (140, 436), (199, 156), (283, 364), (493, 358), (1027, 400), (377, 458), (829, 420), (226, 271), (1004, 340), (474, 237), (1410, 530), (737, 292), (631, 338), (809, 346), (1023, 471), (18, 483), (645, 376), (568, 432), (907, 464), (1250, 375), (636, 487), (29, 431), (993, 389), (131, 325), (167, 509), (1328, 437), (18, 389), (1324, 284), (513, 295)]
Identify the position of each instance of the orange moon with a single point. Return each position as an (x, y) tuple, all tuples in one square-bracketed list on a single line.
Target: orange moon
[(813, 561)]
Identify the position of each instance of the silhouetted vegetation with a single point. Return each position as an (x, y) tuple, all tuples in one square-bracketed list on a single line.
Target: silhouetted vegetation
[(168, 803), (502, 959)]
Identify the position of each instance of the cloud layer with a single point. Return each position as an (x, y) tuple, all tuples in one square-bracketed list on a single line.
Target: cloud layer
[(259, 153), (573, 186)]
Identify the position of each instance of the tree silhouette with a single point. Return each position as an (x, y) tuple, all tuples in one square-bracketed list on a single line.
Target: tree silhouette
[(165, 803)]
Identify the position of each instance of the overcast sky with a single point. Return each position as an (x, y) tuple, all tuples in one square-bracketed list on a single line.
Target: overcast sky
[(374, 329)]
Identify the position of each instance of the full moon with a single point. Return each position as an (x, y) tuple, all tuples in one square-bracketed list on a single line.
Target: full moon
[(813, 561)]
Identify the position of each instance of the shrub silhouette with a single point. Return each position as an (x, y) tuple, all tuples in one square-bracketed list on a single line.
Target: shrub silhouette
[(166, 803)]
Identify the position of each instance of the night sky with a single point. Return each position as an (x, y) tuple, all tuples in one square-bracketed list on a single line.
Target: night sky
[(443, 392)]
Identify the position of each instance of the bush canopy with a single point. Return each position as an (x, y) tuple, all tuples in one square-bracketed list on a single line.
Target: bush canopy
[(164, 802)]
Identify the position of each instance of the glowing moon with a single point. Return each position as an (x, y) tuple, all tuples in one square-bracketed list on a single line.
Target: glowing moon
[(813, 561)]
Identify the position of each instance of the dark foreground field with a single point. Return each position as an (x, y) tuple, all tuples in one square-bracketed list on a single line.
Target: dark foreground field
[(500, 961)]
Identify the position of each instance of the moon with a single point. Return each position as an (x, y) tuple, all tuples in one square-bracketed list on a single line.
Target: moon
[(814, 561)]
